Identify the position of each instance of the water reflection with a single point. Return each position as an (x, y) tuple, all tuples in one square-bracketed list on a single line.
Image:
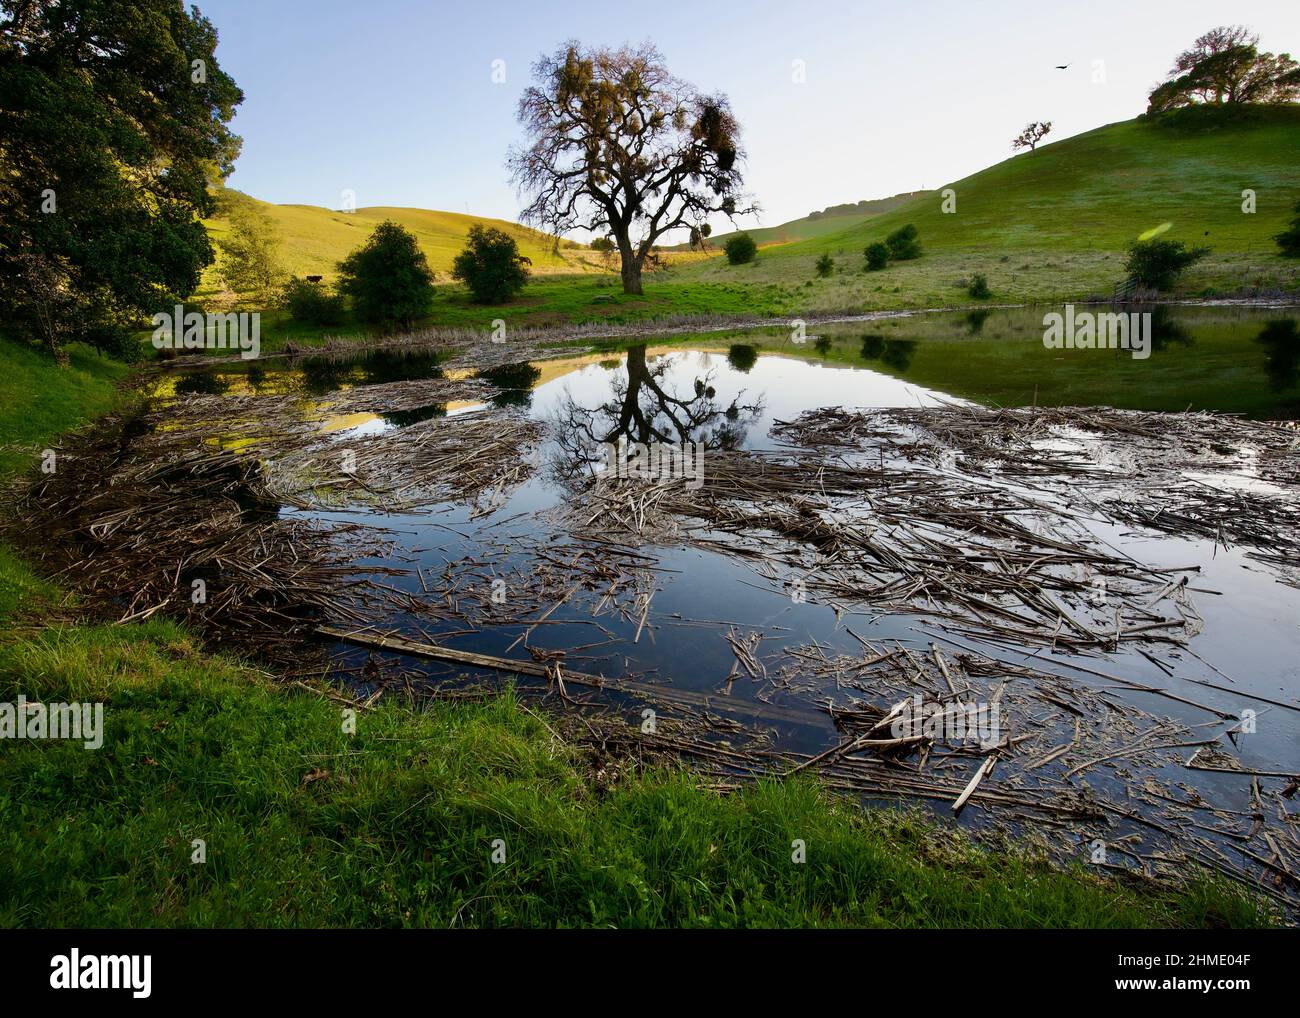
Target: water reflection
[(645, 407), (1231, 360), (201, 383), (1281, 342), (405, 418), (893, 353), (1166, 330), (742, 357), (515, 381)]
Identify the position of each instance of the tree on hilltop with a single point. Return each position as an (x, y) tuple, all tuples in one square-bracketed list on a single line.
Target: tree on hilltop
[(1224, 67), (1033, 133)]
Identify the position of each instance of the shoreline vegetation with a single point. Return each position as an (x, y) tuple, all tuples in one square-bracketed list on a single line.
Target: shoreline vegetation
[(229, 794), (561, 305), (305, 825), (532, 338)]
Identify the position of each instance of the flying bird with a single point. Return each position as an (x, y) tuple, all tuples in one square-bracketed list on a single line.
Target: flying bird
[(1061, 67)]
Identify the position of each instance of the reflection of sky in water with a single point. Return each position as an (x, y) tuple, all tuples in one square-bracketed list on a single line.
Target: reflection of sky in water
[(1252, 622), (786, 386), (1251, 631)]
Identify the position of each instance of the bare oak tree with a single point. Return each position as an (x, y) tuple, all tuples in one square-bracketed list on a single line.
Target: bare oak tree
[(618, 145), (1032, 135)]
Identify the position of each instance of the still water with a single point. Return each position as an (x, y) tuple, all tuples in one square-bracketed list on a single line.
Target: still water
[(1231, 360)]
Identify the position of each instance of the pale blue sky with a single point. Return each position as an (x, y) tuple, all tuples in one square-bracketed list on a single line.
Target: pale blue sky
[(394, 99)]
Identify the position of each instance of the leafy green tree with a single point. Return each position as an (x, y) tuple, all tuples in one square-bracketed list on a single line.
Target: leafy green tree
[(903, 244), (877, 255), (979, 287), (250, 252), (825, 265), (1158, 263), (1289, 239), (740, 249), (388, 278), (1224, 67), (491, 265), (113, 124)]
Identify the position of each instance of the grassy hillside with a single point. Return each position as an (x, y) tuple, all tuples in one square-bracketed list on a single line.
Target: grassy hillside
[(39, 401), (1102, 189), (836, 219), (316, 239), (1056, 224)]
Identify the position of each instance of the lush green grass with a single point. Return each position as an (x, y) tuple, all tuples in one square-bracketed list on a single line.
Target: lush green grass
[(305, 824), (39, 401), (553, 301), (1102, 189), (818, 225)]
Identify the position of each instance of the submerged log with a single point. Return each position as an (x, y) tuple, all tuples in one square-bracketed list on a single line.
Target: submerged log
[(686, 697)]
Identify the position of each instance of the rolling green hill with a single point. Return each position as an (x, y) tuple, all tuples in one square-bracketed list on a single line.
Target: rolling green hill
[(1102, 189), (1042, 226), (316, 239), (835, 219), (1056, 224)]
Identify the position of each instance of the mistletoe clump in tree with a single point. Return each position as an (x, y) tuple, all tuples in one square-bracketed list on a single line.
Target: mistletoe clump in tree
[(619, 146)]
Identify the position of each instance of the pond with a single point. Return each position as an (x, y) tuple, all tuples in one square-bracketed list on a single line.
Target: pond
[(723, 601)]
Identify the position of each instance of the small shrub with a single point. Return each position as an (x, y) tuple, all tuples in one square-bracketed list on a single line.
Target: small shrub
[(1289, 239), (740, 249), (903, 245), (877, 256), (388, 278), (825, 265), (1157, 263), (115, 341), (309, 302), (491, 265), (979, 287)]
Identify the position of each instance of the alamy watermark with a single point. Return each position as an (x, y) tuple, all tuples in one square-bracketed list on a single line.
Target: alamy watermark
[(77, 971), (955, 722), (76, 721), (1089, 330), (193, 330), (653, 461)]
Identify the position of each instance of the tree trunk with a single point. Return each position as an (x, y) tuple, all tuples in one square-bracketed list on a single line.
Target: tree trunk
[(631, 276)]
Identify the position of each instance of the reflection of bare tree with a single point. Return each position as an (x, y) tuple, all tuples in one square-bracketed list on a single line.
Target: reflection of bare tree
[(642, 410)]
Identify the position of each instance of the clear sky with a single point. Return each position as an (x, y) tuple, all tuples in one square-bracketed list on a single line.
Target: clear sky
[(394, 99)]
